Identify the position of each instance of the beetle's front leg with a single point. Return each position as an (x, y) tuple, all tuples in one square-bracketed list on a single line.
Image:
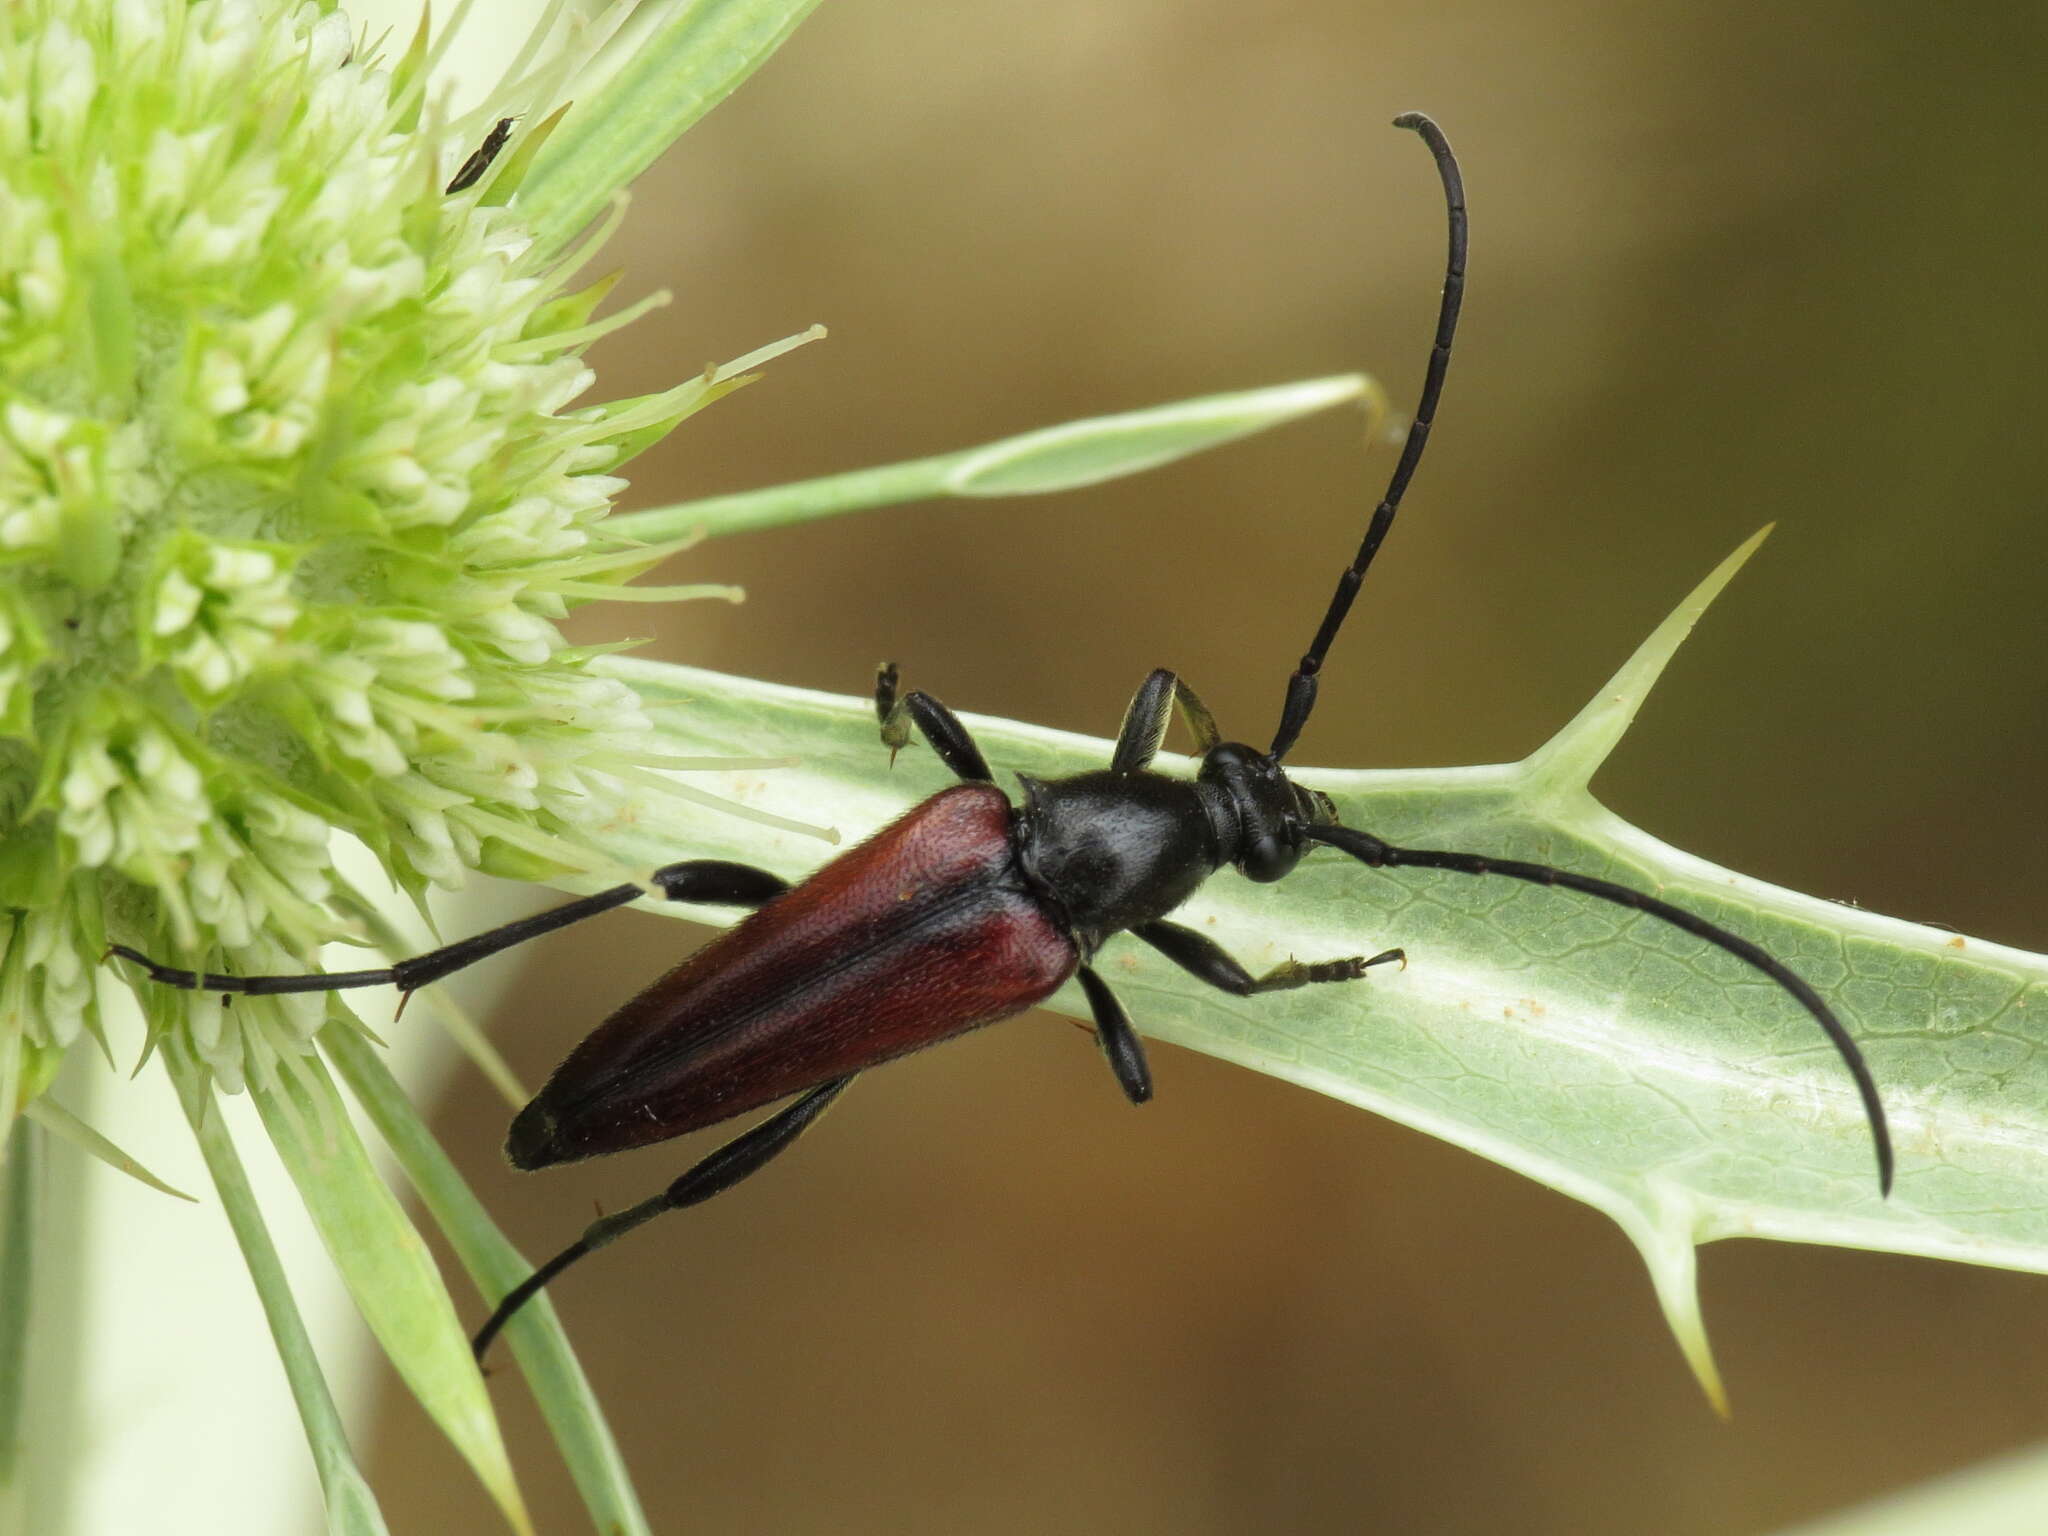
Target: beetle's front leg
[(1144, 728), (1118, 1039), (936, 723), (1206, 960)]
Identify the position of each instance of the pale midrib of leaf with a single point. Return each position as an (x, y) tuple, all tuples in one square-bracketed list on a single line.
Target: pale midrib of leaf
[(1594, 1049)]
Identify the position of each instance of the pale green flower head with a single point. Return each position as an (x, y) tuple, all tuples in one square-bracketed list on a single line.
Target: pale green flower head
[(293, 494), (294, 488)]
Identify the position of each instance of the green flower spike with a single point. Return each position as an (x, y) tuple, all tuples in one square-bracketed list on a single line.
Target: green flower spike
[(295, 488)]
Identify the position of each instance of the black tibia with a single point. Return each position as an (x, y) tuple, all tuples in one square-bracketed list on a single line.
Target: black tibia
[(1145, 722), (716, 883), (711, 882), (1119, 1041), (740, 1158), (746, 1154), (1206, 960), (936, 723), (1371, 850)]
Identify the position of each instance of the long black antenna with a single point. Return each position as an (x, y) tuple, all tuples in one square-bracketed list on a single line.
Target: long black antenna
[(1371, 850), (1301, 687)]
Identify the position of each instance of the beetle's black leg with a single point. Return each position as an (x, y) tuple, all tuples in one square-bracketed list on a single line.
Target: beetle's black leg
[(744, 1155), (716, 883), (1119, 1041), (713, 882), (1145, 722), (1199, 720), (936, 723), (1206, 960), (1379, 854)]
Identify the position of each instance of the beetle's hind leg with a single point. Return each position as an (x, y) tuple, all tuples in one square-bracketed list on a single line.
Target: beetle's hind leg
[(936, 723), (744, 1155), (1206, 960), (711, 882)]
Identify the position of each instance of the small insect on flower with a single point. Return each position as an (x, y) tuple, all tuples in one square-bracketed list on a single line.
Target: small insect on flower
[(480, 158), (1006, 902)]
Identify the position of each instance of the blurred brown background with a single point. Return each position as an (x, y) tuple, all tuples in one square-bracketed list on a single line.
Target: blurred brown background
[(1731, 264)]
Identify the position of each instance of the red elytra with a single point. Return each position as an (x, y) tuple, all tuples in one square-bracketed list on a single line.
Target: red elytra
[(925, 931)]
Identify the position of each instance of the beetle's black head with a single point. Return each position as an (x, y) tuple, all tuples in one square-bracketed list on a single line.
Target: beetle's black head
[(1267, 810)]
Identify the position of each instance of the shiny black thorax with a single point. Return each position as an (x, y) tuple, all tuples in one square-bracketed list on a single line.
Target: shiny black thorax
[(1108, 851)]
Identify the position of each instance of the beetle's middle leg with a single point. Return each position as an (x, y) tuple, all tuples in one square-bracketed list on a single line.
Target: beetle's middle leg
[(711, 882), (746, 1154), (936, 723), (1206, 960)]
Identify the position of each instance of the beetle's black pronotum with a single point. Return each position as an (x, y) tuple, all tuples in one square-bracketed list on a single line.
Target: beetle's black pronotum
[(970, 909)]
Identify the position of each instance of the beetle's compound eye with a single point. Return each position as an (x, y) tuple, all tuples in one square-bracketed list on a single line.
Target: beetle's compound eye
[(1269, 859)]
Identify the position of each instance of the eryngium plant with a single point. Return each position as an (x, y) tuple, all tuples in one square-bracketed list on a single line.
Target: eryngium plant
[(295, 484), (292, 494), (296, 481)]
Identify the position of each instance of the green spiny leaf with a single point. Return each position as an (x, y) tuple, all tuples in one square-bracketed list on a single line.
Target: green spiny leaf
[(1597, 1050)]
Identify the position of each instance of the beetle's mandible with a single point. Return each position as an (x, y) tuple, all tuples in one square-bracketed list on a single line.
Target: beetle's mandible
[(970, 909)]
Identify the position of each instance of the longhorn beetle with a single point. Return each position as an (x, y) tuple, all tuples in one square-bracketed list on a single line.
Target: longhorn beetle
[(969, 909)]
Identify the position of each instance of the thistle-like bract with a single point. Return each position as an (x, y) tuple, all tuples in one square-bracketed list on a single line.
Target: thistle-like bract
[(292, 495)]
